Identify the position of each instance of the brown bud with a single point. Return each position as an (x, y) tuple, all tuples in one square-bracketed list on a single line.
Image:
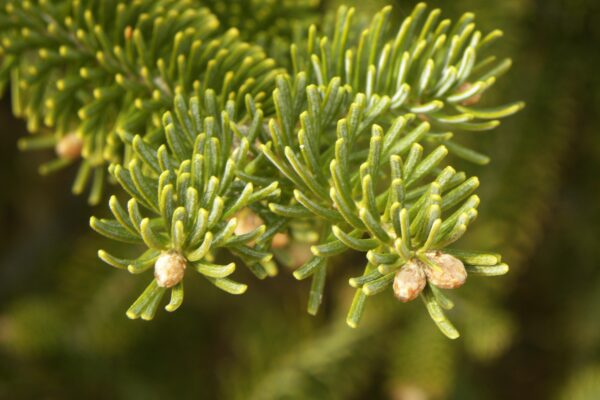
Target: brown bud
[(280, 240), (169, 269), (450, 274), (409, 281), (470, 100), (69, 147), (299, 254), (247, 221), (128, 32), (408, 391)]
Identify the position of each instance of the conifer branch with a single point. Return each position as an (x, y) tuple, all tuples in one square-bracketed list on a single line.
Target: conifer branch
[(200, 127), (95, 67)]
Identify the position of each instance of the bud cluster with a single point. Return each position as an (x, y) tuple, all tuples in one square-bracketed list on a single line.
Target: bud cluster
[(442, 270)]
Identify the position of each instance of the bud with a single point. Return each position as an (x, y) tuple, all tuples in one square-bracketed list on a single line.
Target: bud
[(69, 147), (280, 240), (128, 32), (247, 221), (470, 100), (409, 281), (451, 273), (299, 254), (169, 269)]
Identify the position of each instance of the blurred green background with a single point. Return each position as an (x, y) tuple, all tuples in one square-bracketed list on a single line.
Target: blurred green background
[(534, 334)]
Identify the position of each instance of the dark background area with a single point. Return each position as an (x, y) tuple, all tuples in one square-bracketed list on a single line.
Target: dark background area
[(532, 334)]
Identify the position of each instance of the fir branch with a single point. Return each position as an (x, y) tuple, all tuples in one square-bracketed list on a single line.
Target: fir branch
[(191, 195), (431, 68), (199, 126), (362, 193), (116, 65), (273, 25)]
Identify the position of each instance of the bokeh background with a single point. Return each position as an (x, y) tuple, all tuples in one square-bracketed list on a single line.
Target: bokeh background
[(534, 334)]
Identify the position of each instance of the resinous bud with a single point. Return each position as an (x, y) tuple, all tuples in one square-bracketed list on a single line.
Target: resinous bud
[(471, 100), (451, 273), (409, 281), (169, 269), (248, 221), (69, 147)]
